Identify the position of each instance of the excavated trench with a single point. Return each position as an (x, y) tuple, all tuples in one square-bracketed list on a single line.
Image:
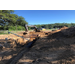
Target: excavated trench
[(15, 47), (42, 48)]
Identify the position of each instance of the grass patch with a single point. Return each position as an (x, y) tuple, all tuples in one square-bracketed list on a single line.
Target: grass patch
[(16, 31), (13, 31), (3, 32), (52, 29)]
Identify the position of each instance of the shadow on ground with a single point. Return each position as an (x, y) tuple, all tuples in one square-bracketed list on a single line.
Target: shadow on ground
[(54, 49), (8, 53)]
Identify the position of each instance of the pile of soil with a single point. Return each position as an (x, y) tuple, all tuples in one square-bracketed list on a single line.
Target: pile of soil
[(58, 33), (70, 32), (56, 48), (52, 47), (63, 28), (11, 45)]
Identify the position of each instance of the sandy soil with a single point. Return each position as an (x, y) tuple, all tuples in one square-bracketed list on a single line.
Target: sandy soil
[(51, 48), (12, 45)]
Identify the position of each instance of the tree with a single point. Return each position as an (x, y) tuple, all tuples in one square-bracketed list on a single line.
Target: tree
[(8, 18), (21, 21)]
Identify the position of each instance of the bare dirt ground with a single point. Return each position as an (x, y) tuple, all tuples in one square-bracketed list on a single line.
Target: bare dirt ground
[(51, 51), (11, 45), (51, 48)]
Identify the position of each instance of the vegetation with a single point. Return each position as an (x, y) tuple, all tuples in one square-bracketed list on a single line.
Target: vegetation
[(8, 19), (56, 25), (11, 21)]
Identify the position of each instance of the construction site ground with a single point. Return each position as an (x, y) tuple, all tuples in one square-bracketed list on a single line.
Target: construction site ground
[(51, 47)]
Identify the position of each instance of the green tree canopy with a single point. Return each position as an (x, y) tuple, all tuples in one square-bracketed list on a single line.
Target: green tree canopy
[(21, 21), (7, 17)]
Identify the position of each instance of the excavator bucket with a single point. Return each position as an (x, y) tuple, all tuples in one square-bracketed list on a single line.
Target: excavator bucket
[(25, 33)]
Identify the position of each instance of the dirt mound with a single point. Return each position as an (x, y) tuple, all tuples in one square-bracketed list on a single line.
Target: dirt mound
[(57, 33), (63, 32), (63, 28), (56, 48), (51, 48), (70, 32)]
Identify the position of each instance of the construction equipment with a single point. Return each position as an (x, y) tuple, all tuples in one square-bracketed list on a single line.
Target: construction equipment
[(43, 29), (35, 28)]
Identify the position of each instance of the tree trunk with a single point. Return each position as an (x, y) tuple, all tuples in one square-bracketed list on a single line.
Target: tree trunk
[(16, 27), (22, 29)]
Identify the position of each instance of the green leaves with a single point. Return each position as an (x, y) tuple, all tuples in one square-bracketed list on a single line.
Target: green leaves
[(7, 17), (56, 25), (21, 21), (4, 16)]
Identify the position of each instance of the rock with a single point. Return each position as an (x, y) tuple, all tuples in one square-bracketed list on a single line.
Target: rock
[(6, 38)]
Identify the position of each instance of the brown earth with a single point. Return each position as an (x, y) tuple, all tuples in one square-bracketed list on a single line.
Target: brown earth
[(11, 45), (51, 48)]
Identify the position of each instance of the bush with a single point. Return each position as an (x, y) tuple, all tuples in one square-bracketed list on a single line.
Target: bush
[(11, 28), (19, 27)]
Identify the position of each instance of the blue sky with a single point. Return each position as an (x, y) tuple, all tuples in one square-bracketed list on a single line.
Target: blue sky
[(47, 16)]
